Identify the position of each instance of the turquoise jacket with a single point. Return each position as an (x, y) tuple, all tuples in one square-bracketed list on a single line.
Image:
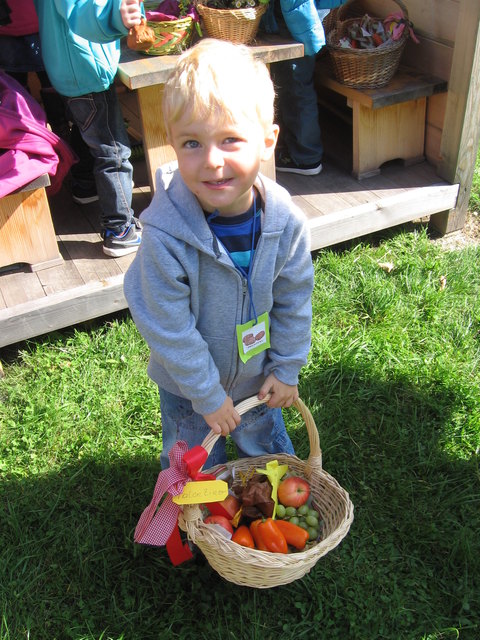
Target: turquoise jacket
[(303, 19), (80, 42)]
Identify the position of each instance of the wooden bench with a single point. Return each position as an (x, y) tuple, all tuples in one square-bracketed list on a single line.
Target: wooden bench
[(387, 123), (26, 228)]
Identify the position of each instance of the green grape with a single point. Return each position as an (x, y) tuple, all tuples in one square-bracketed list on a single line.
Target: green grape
[(280, 511), (312, 533)]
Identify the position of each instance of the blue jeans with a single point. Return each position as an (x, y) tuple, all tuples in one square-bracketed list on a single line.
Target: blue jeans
[(297, 109), (99, 119), (262, 431)]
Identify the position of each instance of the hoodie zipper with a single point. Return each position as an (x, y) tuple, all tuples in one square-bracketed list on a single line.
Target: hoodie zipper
[(217, 251)]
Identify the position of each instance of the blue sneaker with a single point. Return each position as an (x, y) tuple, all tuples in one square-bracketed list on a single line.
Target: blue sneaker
[(116, 245)]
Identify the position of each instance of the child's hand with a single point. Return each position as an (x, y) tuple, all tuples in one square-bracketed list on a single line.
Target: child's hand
[(225, 419), (283, 395), (130, 13)]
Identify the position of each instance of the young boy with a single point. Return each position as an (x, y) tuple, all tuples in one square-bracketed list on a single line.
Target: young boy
[(221, 285)]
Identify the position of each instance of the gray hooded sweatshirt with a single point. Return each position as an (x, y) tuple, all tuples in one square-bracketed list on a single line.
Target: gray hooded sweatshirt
[(186, 297)]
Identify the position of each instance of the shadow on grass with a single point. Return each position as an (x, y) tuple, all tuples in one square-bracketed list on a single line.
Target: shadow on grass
[(408, 569)]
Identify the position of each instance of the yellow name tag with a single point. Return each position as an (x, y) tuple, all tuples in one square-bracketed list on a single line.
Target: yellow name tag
[(202, 491)]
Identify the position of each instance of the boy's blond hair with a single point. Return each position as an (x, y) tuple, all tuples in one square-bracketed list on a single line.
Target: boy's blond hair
[(222, 80)]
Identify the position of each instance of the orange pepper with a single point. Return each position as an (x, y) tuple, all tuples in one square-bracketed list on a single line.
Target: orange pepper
[(294, 535), (243, 536), (272, 536), (254, 530)]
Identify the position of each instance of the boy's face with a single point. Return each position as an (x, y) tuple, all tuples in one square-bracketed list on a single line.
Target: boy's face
[(219, 161)]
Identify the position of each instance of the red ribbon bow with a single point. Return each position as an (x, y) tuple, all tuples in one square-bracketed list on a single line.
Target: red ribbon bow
[(159, 527)]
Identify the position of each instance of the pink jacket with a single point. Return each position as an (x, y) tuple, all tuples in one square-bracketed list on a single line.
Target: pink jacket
[(23, 19), (28, 149)]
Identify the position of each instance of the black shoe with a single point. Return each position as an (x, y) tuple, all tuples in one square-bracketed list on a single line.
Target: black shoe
[(284, 164), (84, 195), (116, 245)]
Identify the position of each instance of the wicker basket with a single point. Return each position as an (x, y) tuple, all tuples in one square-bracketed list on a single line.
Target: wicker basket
[(364, 68), (262, 569), (330, 20), (236, 25), (172, 36)]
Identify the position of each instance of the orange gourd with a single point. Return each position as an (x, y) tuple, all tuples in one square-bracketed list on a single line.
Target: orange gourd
[(243, 537), (294, 535), (272, 537)]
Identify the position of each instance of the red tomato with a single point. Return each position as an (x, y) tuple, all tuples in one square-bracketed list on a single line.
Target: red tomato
[(293, 491), (221, 520)]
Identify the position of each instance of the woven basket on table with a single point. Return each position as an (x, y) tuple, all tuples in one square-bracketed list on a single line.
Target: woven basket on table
[(262, 569), (364, 68), (235, 25), (171, 36)]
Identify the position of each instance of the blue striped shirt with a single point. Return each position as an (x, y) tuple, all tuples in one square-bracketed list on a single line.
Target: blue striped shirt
[(235, 233)]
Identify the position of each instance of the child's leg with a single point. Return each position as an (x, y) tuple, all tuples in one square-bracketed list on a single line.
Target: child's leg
[(298, 108), (180, 422), (100, 122), (262, 431)]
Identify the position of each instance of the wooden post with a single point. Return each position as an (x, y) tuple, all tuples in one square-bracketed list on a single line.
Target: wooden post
[(460, 141)]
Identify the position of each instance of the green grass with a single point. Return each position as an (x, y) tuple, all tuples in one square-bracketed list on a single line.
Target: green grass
[(474, 202), (393, 382)]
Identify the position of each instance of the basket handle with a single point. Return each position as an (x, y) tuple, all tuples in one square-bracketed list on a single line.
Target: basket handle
[(342, 9), (315, 456)]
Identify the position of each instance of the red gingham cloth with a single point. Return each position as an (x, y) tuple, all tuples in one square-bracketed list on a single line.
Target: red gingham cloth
[(155, 527)]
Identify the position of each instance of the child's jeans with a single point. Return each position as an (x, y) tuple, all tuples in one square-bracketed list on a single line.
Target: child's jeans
[(100, 122), (262, 431), (298, 109)]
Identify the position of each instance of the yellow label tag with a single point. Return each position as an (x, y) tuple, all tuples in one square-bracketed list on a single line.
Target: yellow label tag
[(202, 491)]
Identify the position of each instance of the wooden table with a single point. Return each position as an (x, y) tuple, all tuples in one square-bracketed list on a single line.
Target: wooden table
[(147, 75)]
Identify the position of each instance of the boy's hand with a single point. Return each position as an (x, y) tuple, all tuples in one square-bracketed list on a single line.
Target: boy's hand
[(283, 395), (225, 419), (130, 13)]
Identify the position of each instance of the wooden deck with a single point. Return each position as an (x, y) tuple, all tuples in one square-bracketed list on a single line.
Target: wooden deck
[(88, 284)]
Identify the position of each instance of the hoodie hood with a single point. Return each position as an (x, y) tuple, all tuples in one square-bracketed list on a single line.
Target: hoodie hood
[(173, 199)]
